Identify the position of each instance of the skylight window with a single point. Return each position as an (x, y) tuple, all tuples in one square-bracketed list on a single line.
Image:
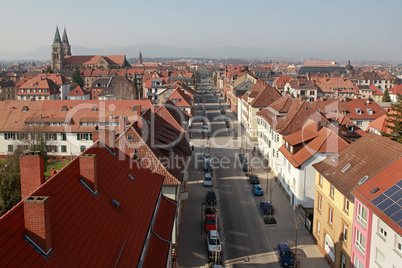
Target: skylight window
[(374, 190), (345, 168), (363, 180)]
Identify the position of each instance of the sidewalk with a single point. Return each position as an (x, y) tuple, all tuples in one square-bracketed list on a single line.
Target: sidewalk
[(287, 224)]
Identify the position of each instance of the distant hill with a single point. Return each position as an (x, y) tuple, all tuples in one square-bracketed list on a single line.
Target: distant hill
[(152, 50)]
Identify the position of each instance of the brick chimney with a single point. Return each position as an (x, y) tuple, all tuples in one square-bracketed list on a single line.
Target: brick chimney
[(37, 221), (32, 173), (88, 171), (106, 136)]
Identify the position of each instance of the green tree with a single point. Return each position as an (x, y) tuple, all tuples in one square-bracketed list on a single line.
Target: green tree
[(394, 121), (77, 79), (10, 189), (49, 70), (386, 97)]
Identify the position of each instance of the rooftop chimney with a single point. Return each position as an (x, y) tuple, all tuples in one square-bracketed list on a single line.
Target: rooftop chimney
[(106, 136), (37, 222), (31, 172), (88, 171)]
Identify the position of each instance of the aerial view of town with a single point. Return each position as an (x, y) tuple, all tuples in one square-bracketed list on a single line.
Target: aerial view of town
[(199, 134)]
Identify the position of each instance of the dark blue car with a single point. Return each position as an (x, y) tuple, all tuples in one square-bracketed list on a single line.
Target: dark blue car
[(285, 255)]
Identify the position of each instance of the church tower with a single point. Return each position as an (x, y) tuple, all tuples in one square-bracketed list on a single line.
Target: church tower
[(140, 58), (57, 57), (66, 44)]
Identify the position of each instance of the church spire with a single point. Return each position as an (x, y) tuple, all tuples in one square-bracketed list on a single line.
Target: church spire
[(56, 41), (65, 38)]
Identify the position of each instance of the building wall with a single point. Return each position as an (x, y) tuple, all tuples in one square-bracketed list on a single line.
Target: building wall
[(335, 230), (300, 182), (365, 230), (72, 145), (387, 245)]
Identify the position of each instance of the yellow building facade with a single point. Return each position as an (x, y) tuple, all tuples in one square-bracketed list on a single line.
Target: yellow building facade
[(333, 222)]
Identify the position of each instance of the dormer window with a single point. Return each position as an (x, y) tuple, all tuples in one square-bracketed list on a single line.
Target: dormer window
[(358, 111), (370, 111)]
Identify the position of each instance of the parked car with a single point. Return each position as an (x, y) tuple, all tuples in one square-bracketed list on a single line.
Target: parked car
[(254, 179), (242, 157), (203, 113), (257, 189), (214, 243), (210, 222), (285, 255), (211, 198), (226, 120), (208, 179), (267, 207), (246, 167), (207, 157), (208, 166)]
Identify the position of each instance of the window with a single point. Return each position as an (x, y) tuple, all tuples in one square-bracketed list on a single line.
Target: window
[(84, 136), (320, 180), (319, 202), (63, 136), (359, 122), (360, 241), (346, 205), (332, 191), (9, 136), (345, 233), (51, 136), (179, 100), (277, 138), (379, 258), (289, 166), (318, 228), (330, 216), (382, 230), (357, 263), (361, 215), (63, 148), (10, 148), (82, 148)]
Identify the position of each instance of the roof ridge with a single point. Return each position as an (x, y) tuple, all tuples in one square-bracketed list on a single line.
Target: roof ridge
[(143, 143)]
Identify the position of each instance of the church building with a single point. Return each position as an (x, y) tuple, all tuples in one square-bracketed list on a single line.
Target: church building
[(61, 58)]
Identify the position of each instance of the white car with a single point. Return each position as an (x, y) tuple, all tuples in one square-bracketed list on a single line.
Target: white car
[(208, 180), (207, 157), (214, 243)]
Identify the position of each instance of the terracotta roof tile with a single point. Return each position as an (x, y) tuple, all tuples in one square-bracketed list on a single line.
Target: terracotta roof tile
[(366, 156), (88, 230), (383, 180)]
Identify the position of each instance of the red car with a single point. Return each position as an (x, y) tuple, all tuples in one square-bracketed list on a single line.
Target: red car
[(210, 222)]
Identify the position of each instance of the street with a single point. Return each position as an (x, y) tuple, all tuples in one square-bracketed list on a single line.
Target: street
[(247, 240)]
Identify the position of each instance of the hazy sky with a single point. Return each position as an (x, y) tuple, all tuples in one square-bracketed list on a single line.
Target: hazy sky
[(361, 29)]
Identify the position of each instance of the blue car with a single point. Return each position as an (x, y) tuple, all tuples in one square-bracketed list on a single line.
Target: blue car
[(267, 207), (257, 190), (285, 255)]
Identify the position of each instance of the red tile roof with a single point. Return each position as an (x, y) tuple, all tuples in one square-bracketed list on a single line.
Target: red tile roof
[(325, 141), (385, 179), (366, 156), (265, 97), (111, 59), (397, 89), (179, 94), (281, 81), (87, 230), (78, 91), (13, 119)]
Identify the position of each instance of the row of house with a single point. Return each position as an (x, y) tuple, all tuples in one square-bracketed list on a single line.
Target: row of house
[(130, 133), (321, 152)]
